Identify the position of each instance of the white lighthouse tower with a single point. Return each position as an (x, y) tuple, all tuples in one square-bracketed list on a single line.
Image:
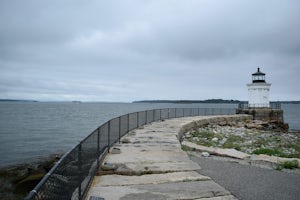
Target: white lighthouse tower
[(258, 91)]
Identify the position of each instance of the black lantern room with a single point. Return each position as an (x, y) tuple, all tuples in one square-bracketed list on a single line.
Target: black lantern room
[(258, 77)]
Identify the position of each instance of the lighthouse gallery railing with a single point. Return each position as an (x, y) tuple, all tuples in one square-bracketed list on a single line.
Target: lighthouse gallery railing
[(73, 173)]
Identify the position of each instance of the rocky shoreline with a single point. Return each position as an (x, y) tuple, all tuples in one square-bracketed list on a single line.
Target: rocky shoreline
[(18, 180)]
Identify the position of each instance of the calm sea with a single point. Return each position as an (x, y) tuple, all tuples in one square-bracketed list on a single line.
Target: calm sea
[(32, 130)]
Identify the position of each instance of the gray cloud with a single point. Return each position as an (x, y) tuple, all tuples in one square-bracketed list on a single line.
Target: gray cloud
[(129, 50)]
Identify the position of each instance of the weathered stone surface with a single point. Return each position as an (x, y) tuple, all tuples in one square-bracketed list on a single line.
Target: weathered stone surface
[(148, 156), (216, 151), (227, 197), (231, 153), (164, 170), (178, 190), (118, 180)]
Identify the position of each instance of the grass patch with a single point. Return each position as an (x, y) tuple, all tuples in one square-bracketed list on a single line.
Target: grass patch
[(203, 134), (297, 149), (234, 142), (270, 152), (295, 146), (276, 152), (278, 167), (185, 148), (288, 165), (206, 143), (294, 155), (260, 142)]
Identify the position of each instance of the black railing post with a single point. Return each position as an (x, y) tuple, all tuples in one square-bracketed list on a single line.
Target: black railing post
[(146, 120), (168, 113), (153, 115), (128, 123), (79, 170), (108, 134), (119, 130), (98, 146), (160, 114), (137, 119), (175, 112)]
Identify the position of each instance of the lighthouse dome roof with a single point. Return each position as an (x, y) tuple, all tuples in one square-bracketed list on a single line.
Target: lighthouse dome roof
[(258, 73)]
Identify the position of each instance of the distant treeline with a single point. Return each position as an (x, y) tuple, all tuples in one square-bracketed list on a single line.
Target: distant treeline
[(170, 101), (287, 102), (189, 101), (17, 100), (207, 101)]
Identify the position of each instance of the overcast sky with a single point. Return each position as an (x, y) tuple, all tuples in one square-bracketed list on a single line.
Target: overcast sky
[(141, 49)]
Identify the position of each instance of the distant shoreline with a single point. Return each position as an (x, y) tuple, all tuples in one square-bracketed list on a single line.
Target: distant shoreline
[(16, 100), (207, 101), (151, 101)]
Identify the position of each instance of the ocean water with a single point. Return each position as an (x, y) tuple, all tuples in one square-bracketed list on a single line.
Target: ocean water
[(32, 130)]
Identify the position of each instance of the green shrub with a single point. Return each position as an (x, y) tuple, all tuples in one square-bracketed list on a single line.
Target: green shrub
[(270, 152), (185, 148), (290, 164)]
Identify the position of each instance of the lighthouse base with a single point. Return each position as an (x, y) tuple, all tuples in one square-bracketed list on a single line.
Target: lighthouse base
[(266, 114)]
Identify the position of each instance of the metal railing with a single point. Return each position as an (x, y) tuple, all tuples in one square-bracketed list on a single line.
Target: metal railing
[(272, 105), (72, 175)]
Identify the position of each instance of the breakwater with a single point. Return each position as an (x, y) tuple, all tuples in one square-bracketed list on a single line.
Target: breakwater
[(72, 174)]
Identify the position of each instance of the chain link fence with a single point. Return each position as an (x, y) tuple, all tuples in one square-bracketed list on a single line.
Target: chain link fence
[(72, 175), (272, 105)]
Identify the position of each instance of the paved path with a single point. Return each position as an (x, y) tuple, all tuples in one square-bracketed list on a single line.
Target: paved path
[(249, 182), (152, 165)]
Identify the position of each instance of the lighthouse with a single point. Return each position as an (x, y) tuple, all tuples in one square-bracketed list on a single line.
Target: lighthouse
[(258, 91), (258, 104)]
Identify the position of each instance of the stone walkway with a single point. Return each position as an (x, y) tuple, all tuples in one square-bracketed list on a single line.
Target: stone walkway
[(151, 165)]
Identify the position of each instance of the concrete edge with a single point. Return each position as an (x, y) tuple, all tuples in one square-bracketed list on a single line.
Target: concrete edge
[(211, 119), (233, 153)]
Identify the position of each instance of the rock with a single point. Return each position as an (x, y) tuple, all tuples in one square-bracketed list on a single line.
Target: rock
[(188, 135), (126, 141), (28, 183), (223, 141), (115, 150), (205, 154), (215, 139), (222, 123), (108, 167)]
